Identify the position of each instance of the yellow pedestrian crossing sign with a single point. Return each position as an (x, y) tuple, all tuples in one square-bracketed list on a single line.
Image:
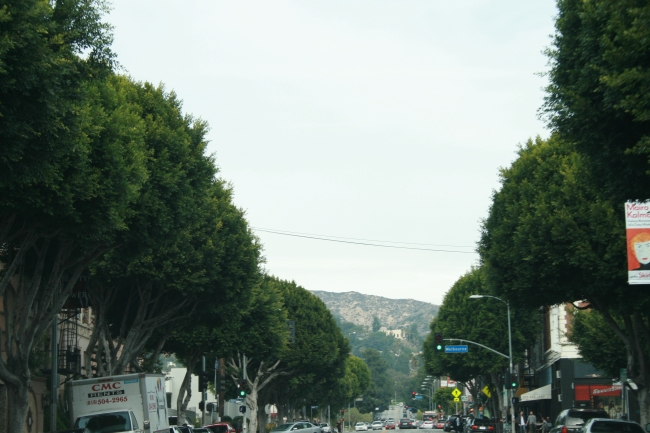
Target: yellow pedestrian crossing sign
[(456, 399), (486, 391), (456, 393)]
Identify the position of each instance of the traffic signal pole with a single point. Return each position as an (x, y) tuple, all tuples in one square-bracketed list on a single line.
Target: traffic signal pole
[(203, 391)]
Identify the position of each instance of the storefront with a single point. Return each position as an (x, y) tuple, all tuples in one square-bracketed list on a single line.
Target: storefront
[(605, 397), (538, 401)]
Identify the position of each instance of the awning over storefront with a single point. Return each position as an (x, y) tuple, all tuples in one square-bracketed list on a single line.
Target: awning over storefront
[(543, 393)]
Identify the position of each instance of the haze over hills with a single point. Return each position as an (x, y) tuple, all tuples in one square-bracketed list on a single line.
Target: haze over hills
[(360, 309)]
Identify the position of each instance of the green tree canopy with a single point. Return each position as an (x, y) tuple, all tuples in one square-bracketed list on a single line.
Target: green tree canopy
[(551, 238), (593, 336), (599, 82)]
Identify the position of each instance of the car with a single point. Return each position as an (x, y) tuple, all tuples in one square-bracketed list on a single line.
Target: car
[(220, 427), (201, 430), (325, 427), (405, 423), (474, 425), (440, 424), (303, 426), (377, 425), (185, 429), (360, 426), (572, 420), (427, 424), (390, 425), (606, 425), (450, 424)]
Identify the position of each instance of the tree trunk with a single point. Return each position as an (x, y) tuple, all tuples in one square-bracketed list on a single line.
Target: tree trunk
[(17, 401), (261, 417), (251, 402), (185, 392)]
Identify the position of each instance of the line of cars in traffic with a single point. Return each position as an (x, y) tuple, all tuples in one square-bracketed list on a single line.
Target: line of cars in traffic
[(225, 427)]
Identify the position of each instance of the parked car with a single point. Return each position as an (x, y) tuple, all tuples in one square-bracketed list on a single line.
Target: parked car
[(185, 429), (427, 424), (390, 424), (201, 430), (360, 426), (479, 425), (377, 425), (406, 423), (572, 420), (325, 427), (220, 427), (606, 425)]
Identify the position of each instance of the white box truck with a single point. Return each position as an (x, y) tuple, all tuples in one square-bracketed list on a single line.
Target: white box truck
[(127, 403)]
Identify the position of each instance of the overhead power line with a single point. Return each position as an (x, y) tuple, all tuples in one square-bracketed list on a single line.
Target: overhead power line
[(354, 241)]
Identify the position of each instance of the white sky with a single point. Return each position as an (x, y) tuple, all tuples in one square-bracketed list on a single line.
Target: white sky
[(375, 119)]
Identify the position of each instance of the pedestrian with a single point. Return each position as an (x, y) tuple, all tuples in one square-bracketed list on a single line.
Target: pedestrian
[(521, 422), (459, 423), (530, 422)]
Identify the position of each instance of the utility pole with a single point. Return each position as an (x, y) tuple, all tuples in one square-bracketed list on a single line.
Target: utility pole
[(54, 382), (222, 377), (203, 393)]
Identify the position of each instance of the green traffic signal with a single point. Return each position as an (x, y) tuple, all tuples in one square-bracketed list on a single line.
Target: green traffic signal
[(437, 338)]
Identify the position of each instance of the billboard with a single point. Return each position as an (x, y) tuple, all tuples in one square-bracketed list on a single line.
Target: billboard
[(637, 228)]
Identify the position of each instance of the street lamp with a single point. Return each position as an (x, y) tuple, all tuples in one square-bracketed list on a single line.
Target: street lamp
[(512, 406)]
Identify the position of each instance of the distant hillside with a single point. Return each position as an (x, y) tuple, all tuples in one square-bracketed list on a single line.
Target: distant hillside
[(392, 313)]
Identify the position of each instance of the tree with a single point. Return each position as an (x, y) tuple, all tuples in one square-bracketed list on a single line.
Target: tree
[(485, 322), (597, 97), (380, 390), (376, 324), (593, 336), (185, 239), (551, 238), (56, 229), (308, 369), (445, 398)]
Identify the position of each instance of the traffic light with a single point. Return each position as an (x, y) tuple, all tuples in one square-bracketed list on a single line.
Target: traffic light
[(437, 340), (511, 381), (201, 405), (342, 412), (439, 406), (241, 384), (242, 409), (204, 377), (413, 394), (221, 383)]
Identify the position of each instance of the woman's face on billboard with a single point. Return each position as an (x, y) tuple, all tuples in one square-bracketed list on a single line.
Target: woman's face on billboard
[(642, 252)]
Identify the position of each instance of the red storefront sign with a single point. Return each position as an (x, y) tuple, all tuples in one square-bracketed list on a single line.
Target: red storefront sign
[(585, 392)]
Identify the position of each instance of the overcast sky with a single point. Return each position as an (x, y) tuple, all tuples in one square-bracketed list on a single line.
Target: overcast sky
[(380, 120)]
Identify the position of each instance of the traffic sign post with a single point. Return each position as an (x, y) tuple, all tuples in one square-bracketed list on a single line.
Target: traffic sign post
[(459, 348)]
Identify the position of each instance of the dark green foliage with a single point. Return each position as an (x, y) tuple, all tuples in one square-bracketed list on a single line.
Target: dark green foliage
[(484, 321), (597, 99), (376, 324), (382, 387), (549, 237), (597, 343)]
